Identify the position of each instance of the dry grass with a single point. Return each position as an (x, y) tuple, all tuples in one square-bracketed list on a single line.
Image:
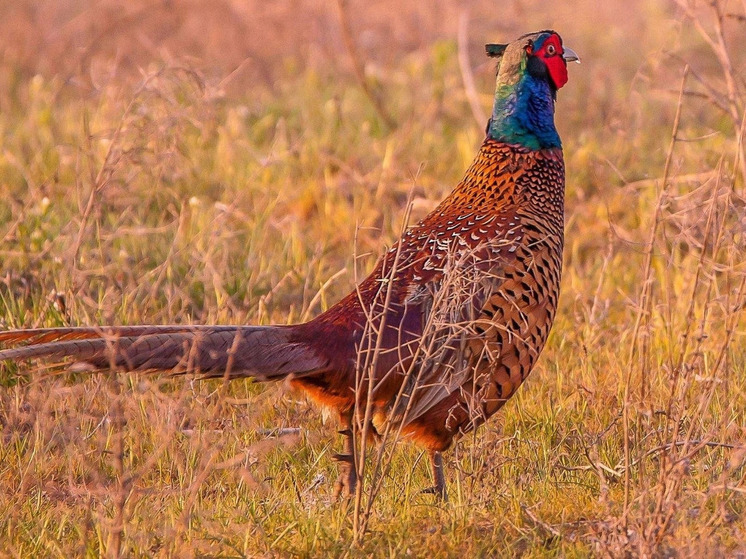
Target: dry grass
[(179, 163)]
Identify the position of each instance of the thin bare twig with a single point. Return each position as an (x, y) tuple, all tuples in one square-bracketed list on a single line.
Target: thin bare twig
[(645, 301), (357, 66), (466, 74)]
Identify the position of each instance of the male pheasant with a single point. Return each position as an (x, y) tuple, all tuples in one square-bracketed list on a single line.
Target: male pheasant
[(446, 327)]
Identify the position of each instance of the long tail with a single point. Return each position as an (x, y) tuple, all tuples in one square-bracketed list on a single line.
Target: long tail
[(264, 352)]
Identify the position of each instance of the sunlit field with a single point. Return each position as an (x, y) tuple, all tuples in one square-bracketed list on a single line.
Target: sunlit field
[(247, 162)]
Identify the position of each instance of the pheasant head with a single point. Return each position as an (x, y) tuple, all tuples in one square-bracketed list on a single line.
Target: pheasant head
[(530, 71)]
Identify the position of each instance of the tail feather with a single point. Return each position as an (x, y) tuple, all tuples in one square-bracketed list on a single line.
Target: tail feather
[(43, 335), (264, 352)]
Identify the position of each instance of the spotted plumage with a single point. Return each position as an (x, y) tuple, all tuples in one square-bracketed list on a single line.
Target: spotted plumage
[(449, 323)]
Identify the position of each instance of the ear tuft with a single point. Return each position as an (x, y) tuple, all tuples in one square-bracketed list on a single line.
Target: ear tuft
[(495, 50)]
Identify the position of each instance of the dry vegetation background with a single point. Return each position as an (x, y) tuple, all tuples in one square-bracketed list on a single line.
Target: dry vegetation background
[(223, 161)]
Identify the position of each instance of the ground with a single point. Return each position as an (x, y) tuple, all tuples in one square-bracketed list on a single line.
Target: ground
[(246, 163)]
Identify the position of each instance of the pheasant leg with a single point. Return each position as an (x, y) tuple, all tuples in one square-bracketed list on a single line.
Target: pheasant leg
[(347, 480), (439, 487)]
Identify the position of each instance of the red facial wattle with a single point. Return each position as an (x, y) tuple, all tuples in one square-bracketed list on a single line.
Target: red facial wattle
[(551, 54)]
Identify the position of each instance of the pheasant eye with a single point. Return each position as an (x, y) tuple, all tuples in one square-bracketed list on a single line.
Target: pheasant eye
[(551, 50)]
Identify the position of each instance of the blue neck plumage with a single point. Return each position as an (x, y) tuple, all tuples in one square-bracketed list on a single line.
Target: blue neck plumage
[(523, 114)]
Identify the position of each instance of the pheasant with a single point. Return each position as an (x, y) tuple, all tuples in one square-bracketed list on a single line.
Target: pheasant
[(449, 323)]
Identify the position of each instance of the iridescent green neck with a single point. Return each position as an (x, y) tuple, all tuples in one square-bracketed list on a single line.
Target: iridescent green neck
[(523, 112)]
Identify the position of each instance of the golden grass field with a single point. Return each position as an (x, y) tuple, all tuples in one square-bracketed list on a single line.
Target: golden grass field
[(246, 162)]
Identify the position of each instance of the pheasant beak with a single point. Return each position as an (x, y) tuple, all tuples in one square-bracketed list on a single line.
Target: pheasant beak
[(569, 55)]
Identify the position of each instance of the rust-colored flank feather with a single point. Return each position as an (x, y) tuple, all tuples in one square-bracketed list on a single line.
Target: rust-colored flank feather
[(438, 337)]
